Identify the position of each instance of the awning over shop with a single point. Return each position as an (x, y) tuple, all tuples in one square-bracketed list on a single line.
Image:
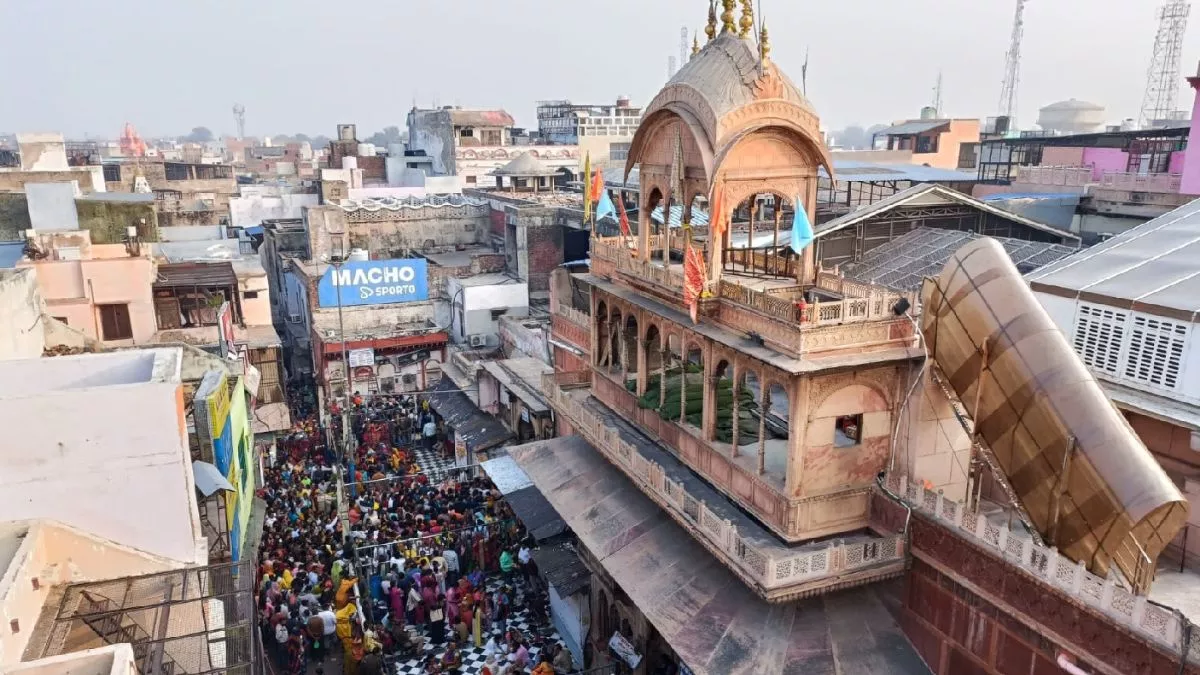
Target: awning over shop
[(517, 386), (208, 478), (530, 505), (478, 429), (562, 568), (172, 275), (712, 621)]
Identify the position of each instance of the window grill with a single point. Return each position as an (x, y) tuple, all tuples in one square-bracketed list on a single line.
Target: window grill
[(1155, 351), (1099, 334)]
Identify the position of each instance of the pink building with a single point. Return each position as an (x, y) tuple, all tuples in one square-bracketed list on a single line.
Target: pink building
[(102, 290)]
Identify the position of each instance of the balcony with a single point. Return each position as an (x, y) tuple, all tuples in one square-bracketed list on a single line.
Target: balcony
[(841, 314), (772, 569)]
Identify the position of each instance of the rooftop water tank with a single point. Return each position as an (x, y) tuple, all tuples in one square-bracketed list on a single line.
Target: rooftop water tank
[(1072, 117)]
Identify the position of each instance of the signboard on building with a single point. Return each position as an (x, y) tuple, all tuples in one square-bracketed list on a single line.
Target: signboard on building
[(374, 282), (211, 407), (623, 650), (225, 326), (362, 357)]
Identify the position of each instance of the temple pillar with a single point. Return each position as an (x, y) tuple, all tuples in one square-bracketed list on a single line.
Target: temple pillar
[(644, 224), (683, 382), (709, 417), (642, 375), (735, 389), (764, 409), (662, 378)]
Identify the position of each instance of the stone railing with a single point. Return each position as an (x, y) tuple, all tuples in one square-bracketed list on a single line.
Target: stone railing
[(1135, 182), (1132, 611), (771, 569), (1065, 176), (574, 316)]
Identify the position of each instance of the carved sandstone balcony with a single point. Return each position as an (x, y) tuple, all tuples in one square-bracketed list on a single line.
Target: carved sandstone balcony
[(770, 307), (775, 571)]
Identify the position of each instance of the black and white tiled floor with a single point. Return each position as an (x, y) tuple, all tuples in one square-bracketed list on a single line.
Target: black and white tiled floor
[(473, 657), (432, 462)]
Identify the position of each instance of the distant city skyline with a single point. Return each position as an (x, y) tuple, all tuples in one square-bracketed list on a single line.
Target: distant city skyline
[(184, 65)]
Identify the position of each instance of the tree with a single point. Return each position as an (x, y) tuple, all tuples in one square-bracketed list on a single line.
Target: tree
[(199, 135), (383, 138)]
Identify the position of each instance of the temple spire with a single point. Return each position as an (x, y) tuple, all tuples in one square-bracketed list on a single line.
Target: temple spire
[(711, 29), (727, 24), (746, 25), (695, 45), (764, 44)]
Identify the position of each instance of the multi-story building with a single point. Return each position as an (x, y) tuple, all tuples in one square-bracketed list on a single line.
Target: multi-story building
[(602, 131), (473, 143), (941, 143), (755, 450)]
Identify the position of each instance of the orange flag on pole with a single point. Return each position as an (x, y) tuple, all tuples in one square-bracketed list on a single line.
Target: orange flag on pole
[(624, 217), (716, 217)]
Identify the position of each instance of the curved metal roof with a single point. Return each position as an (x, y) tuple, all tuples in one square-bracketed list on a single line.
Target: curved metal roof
[(1046, 419)]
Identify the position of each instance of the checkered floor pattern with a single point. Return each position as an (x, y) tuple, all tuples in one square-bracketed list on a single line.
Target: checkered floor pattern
[(432, 462), (473, 657)]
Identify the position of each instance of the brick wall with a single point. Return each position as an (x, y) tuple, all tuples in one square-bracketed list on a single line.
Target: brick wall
[(497, 222), (545, 246), (967, 611)]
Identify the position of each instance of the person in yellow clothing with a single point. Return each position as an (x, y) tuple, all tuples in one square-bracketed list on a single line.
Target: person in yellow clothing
[(346, 626), (344, 592), (286, 581)]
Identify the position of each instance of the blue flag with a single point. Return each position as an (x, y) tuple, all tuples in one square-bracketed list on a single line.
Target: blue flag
[(802, 232), (605, 206)]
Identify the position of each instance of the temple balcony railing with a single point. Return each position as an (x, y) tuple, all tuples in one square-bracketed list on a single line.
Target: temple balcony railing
[(1134, 612), (776, 573)]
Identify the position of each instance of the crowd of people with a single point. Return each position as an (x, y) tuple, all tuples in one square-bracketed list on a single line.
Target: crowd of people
[(434, 561)]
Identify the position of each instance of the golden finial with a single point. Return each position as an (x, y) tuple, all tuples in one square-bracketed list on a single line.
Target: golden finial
[(695, 45), (711, 29), (764, 44), (747, 23), (727, 25)]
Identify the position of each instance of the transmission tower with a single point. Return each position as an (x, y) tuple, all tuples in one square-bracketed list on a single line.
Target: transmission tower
[(671, 67), (937, 96), (1162, 79), (239, 115), (685, 47), (1012, 66)]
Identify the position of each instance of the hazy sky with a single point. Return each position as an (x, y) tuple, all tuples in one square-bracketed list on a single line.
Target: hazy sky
[(305, 65)]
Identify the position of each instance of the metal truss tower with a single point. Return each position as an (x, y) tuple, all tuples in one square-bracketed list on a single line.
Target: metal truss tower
[(239, 115), (1162, 78), (685, 47), (1012, 66)]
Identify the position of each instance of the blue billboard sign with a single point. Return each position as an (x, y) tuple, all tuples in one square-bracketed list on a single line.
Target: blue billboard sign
[(375, 282)]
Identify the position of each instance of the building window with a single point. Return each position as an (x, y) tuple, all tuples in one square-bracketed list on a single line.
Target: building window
[(618, 151), (847, 431), (114, 322), (250, 295), (466, 133), (926, 144), (1099, 333), (968, 155), (471, 180), (497, 313), (1155, 351), (112, 173)]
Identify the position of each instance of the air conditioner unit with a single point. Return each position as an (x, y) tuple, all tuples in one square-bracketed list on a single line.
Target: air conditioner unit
[(478, 340)]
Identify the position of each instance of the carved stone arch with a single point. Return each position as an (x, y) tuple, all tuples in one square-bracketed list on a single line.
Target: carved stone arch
[(812, 150), (651, 324), (773, 113), (653, 141), (821, 390)]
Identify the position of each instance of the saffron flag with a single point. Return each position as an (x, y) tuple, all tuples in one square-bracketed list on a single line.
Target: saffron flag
[(604, 205), (598, 188), (624, 217), (693, 280), (802, 232), (587, 187), (716, 216)]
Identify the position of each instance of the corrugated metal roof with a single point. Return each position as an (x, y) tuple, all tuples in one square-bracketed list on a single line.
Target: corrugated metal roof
[(1156, 265), (903, 262), (709, 617), (912, 127), (857, 170), (562, 568), (699, 216), (478, 429), (480, 118), (925, 191), (171, 275)]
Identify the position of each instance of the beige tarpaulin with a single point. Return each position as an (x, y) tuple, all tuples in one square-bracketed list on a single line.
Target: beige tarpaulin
[(1045, 417)]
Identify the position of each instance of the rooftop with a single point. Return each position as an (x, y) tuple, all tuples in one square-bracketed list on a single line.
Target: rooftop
[(912, 127), (488, 280), (396, 204), (458, 258), (12, 535), (905, 261), (857, 170), (254, 337), (1154, 267), (32, 377)]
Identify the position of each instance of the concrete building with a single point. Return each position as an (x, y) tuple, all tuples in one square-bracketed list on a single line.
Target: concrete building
[(43, 159), (604, 132), (941, 143), (478, 303), (22, 333), (187, 193), (471, 144), (112, 445), (256, 203)]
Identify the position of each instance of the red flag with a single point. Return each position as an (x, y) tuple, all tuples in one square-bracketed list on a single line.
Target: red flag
[(624, 216), (693, 280)]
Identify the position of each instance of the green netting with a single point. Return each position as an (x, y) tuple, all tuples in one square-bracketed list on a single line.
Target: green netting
[(748, 411)]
